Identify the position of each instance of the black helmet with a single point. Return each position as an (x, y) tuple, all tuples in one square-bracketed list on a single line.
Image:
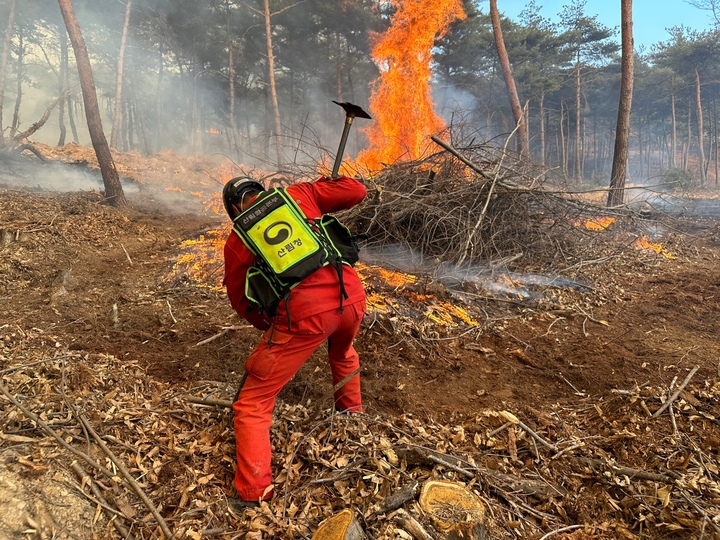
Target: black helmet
[(235, 189)]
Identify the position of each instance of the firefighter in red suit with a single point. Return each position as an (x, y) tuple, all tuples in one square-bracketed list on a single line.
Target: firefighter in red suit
[(314, 313)]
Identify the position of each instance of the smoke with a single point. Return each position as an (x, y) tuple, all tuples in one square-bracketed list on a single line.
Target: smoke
[(451, 101), (31, 175), (52, 176), (495, 280)]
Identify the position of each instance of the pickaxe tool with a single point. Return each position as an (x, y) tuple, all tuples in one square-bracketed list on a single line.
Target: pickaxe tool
[(351, 111)]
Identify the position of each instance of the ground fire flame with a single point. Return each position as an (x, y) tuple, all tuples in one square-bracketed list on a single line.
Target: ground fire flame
[(644, 243), (596, 224), (406, 301), (201, 263)]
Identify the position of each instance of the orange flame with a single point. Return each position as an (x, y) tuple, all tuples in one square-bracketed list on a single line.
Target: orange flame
[(644, 243), (201, 261), (405, 301), (596, 224), (400, 100)]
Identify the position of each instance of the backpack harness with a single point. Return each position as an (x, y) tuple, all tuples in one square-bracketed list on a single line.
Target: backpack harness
[(288, 247)]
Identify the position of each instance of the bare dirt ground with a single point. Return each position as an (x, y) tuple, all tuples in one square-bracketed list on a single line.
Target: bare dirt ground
[(545, 409)]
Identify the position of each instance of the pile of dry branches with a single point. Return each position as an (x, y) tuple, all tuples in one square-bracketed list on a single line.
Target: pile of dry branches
[(476, 205)]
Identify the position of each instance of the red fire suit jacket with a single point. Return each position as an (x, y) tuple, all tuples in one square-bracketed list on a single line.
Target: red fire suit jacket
[(319, 291)]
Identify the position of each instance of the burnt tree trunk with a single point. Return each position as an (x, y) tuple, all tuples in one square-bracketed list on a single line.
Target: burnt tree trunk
[(563, 139), (62, 82), (622, 129), (577, 167), (113, 189), (233, 136), (673, 146), (686, 149), (542, 129)]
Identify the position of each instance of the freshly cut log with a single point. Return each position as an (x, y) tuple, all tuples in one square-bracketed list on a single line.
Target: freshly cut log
[(341, 526), (452, 507)]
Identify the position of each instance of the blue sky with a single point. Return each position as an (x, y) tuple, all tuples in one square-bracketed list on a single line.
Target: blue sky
[(651, 18)]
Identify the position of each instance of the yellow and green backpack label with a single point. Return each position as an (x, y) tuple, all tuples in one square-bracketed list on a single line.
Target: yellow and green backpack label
[(283, 239), (276, 230)]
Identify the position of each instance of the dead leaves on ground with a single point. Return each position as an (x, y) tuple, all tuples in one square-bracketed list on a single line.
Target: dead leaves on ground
[(617, 471)]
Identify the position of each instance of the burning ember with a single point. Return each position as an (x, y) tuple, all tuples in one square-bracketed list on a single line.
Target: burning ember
[(400, 101), (406, 301), (596, 224), (644, 243), (201, 260)]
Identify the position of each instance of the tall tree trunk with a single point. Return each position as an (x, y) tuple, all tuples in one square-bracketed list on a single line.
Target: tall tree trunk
[(20, 75), (159, 124), (338, 69), (701, 138), (233, 124), (3, 64), (119, 78), (622, 128), (686, 149), (673, 148), (271, 80), (542, 128), (715, 137), (523, 141), (642, 148), (62, 80), (563, 143), (71, 120), (577, 169), (113, 189), (233, 135)]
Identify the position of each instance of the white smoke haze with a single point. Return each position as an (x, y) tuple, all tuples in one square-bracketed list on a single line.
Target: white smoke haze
[(161, 81), (495, 280)]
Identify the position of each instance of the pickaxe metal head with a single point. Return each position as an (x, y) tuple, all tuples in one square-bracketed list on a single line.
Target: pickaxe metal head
[(351, 111)]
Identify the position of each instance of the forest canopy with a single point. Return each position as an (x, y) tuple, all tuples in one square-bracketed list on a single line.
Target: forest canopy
[(195, 79)]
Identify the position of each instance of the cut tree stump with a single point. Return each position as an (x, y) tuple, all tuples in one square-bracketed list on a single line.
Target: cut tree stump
[(454, 510), (341, 526)]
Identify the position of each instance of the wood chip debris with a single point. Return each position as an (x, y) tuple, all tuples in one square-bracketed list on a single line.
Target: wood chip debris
[(616, 470)]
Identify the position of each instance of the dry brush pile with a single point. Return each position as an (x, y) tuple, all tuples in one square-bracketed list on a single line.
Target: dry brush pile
[(478, 206)]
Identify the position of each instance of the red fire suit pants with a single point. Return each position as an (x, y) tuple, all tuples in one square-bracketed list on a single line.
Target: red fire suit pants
[(273, 363)]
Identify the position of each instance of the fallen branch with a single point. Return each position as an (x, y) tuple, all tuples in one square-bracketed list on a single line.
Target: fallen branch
[(128, 478), (127, 254), (454, 152), (210, 401), (400, 497), (40, 123), (112, 513), (224, 331), (527, 487), (342, 383), (677, 392), (627, 471), (563, 529), (515, 420), (411, 526), (50, 431)]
